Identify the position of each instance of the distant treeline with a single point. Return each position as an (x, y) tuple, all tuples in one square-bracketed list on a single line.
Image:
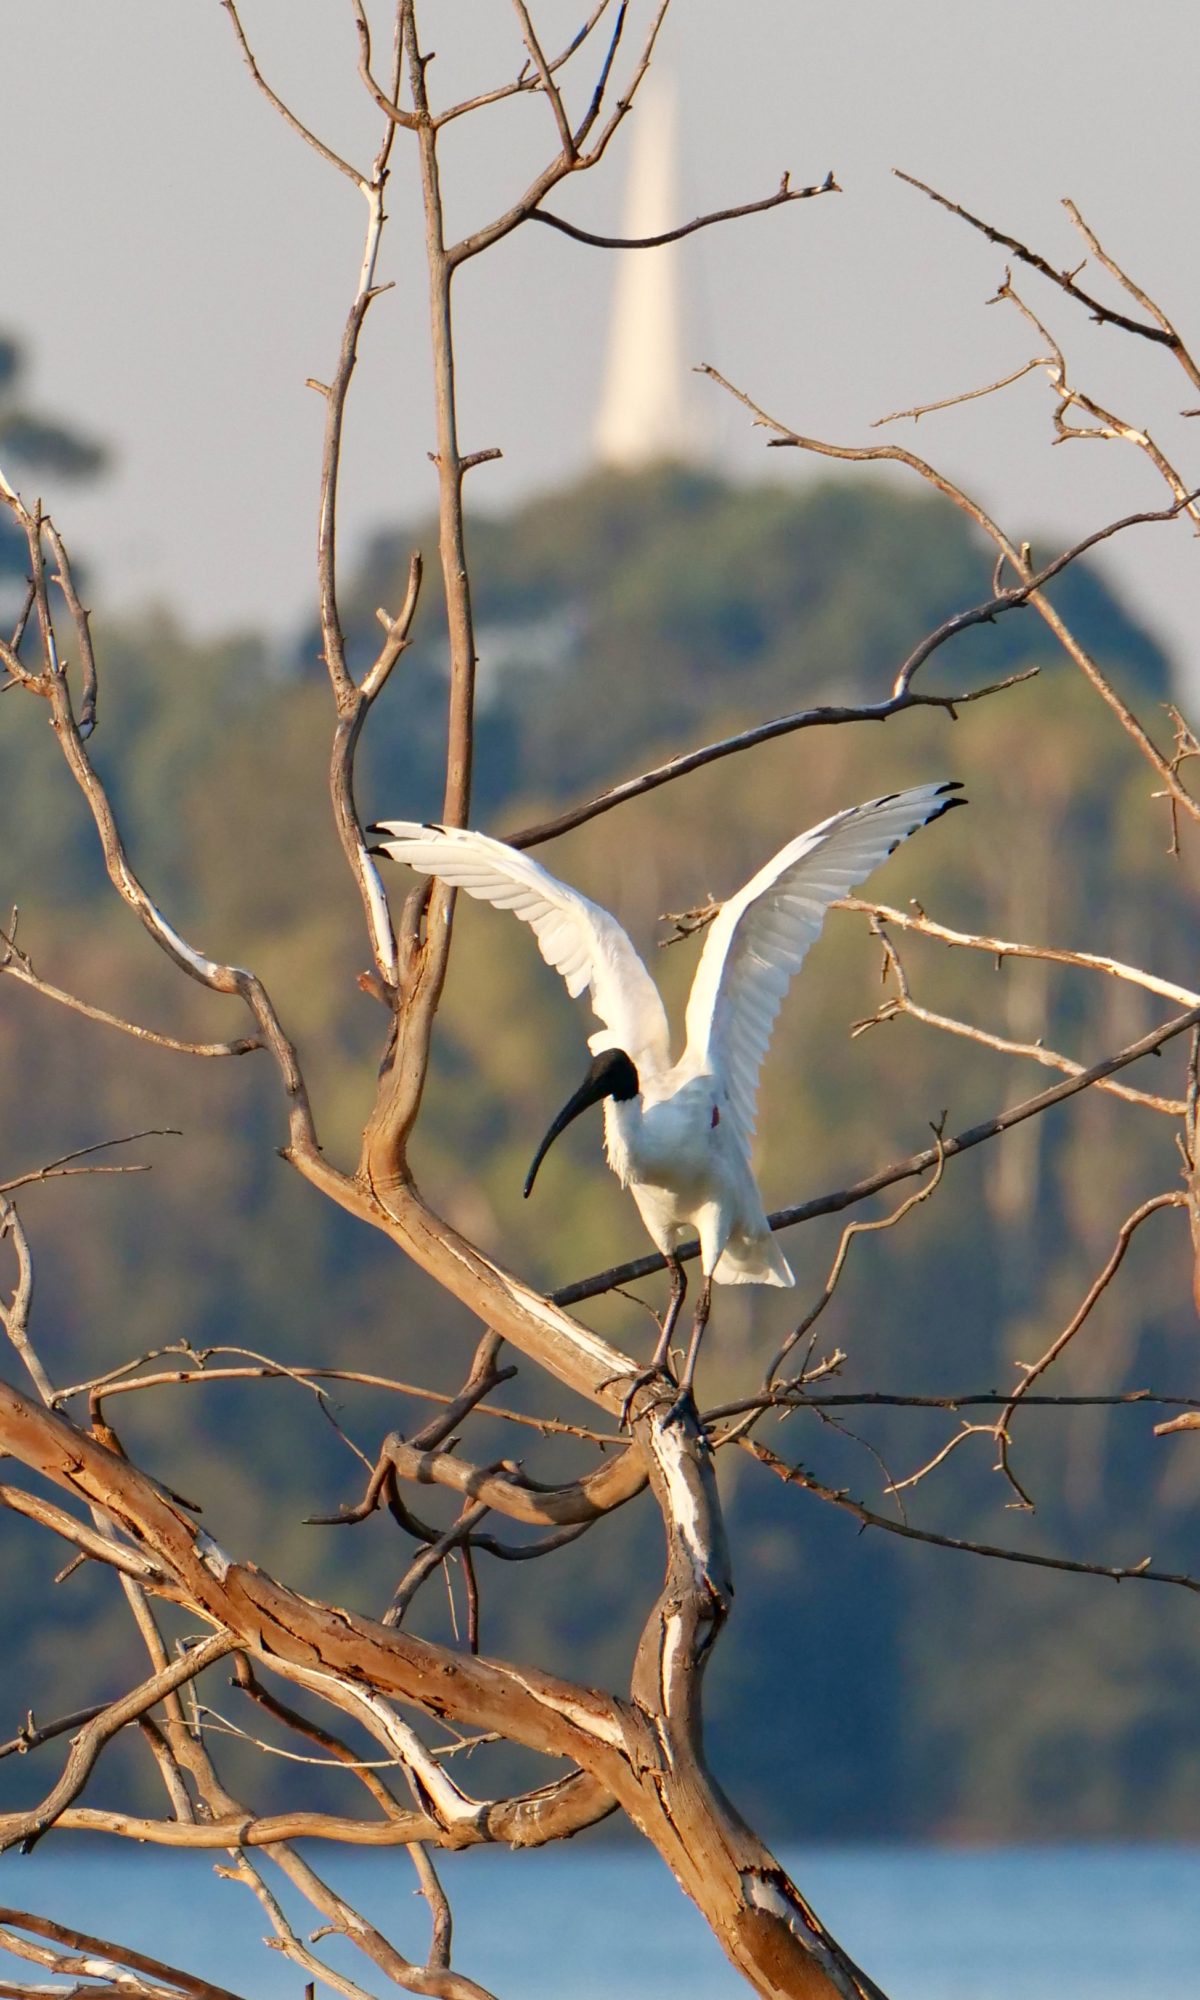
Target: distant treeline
[(867, 1685)]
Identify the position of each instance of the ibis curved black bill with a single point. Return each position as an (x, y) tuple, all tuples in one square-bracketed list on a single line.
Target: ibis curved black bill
[(612, 1074)]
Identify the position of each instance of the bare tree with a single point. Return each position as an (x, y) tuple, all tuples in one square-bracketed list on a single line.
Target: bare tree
[(641, 1751)]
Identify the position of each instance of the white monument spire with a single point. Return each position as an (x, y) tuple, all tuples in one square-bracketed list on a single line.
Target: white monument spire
[(644, 412)]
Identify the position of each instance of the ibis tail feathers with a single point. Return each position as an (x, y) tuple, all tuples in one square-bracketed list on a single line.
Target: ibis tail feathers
[(753, 1260)]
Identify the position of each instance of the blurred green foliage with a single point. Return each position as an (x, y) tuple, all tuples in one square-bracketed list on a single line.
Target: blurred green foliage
[(866, 1685)]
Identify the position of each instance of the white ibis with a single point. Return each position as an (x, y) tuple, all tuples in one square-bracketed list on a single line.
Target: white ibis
[(678, 1135)]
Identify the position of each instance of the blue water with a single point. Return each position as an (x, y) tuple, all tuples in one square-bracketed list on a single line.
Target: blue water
[(588, 1923)]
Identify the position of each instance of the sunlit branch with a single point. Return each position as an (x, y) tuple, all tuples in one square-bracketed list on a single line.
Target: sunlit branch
[(131, 1562), (505, 1488), (1067, 281), (796, 1475), (16, 965), (387, 102), (241, 1869), (25, 1828), (546, 79), (102, 1954), (1015, 556), (902, 1003), (916, 1163), (123, 1381), (1001, 948)]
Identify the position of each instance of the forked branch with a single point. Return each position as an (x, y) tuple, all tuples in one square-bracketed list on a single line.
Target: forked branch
[(916, 1163), (1016, 556)]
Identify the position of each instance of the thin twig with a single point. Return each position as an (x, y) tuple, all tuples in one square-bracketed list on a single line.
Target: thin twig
[(62, 1167), (15, 1316), (546, 78), (795, 1475), (902, 1003), (1001, 948), (188, 1984), (1031, 1372), (17, 966), (1014, 555), (26, 1828), (916, 1163), (528, 203), (920, 410), (31, 1735), (289, 117), (791, 1395), (527, 80), (784, 193), (1066, 281), (902, 697), (852, 1230), (429, 1559)]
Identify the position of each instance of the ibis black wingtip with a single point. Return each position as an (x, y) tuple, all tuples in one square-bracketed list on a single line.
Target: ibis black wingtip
[(947, 798)]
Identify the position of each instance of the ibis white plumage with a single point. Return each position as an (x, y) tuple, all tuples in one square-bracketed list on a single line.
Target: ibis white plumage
[(678, 1134)]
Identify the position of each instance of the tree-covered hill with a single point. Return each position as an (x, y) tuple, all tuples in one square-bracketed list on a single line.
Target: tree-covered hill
[(620, 621), (640, 612)]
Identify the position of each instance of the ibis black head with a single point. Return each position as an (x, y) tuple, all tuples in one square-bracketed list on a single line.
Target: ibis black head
[(611, 1074)]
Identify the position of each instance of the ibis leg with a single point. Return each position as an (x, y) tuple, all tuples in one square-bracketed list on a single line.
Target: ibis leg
[(685, 1401), (658, 1360), (678, 1292)]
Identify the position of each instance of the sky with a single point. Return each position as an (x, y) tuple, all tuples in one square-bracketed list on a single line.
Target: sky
[(178, 263)]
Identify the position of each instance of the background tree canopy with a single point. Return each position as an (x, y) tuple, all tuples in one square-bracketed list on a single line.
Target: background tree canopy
[(620, 621)]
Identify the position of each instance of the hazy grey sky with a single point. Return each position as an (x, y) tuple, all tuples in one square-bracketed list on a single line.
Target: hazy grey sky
[(178, 263)]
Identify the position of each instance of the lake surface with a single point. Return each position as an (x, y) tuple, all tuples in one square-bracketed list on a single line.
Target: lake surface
[(588, 1923)]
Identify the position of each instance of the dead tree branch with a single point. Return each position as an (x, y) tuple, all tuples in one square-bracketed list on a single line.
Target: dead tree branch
[(785, 192), (902, 697), (82, 1952), (505, 1487), (902, 1002), (920, 924), (25, 1829), (1014, 555), (796, 1475), (916, 1163), (1161, 331), (16, 964), (1032, 1371)]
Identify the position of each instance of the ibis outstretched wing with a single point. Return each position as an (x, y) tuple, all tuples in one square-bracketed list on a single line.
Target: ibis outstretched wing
[(759, 937), (578, 938)]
